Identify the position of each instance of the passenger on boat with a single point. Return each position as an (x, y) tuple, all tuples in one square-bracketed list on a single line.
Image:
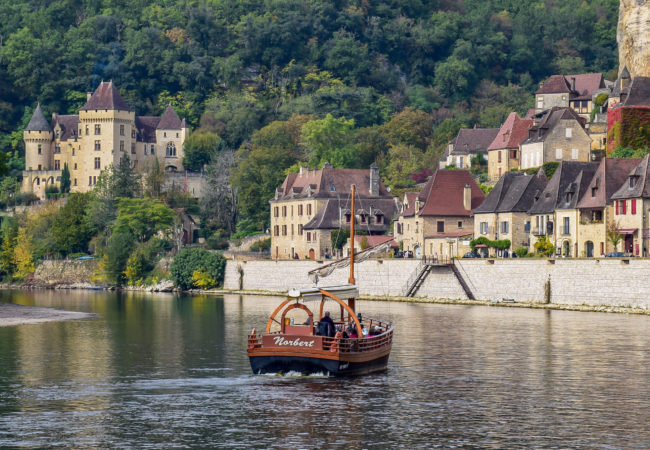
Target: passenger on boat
[(352, 331), (326, 326)]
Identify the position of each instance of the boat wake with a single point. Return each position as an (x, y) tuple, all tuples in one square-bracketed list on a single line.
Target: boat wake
[(296, 374)]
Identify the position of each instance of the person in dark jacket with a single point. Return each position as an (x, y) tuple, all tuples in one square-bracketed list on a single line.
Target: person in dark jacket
[(326, 325)]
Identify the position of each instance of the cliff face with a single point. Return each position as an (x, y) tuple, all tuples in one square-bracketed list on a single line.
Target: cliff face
[(633, 37)]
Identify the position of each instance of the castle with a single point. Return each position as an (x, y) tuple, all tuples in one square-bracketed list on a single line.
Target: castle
[(105, 129)]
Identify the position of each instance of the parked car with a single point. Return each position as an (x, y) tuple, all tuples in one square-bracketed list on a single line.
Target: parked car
[(471, 255), (408, 254), (615, 255), (398, 254)]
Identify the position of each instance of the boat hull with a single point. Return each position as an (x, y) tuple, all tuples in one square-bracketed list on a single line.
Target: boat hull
[(313, 365)]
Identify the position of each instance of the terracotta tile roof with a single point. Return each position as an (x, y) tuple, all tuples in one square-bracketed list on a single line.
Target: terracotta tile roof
[(473, 140), (585, 84), (106, 96), (638, 93), (514, 192), (170, 120), (547, 120), (38, 122), (328, 182), (69, 125), (513, 131), (443, 194), (530, 113), (146, 126), (641, 187), (570, 177), (612, 173)]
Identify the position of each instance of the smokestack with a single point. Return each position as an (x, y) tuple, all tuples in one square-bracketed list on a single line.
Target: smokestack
[(374, 179), (467, 197)]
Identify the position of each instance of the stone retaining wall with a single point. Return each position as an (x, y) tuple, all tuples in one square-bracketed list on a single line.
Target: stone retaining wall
[(64, 271), (594, 282)]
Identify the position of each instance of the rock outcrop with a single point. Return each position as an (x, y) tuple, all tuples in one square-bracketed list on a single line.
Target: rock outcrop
[(633, 37)]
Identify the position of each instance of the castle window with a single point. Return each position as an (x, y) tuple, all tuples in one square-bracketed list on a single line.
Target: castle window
[(98, 163), (98, 145), (165, 134), (75, 166), (121, 130), (90, 181), (153, 150), (145, 150), (40, 149), (39, 167), (98, 129), (73, 152), (133, 134), (133, 149), (94, 180), (57, 164), (79, 131), (87, 130), (170, 150), (38, 181), (57, 148), (309, 210), (58, 134), (177, 135), (75, 181), (121, 146)]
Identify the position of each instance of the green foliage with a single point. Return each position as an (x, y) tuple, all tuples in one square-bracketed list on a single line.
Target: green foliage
[(199, 148), (486, 188), (116, 254), (261, 246), (143, 217), (65, 179), (71, 231), (544, 247), (502, 244), (330, 140), (627, 152), (364, 243), (201, 279), (340, 238), (633, 131), (521, 251), (190, 260)]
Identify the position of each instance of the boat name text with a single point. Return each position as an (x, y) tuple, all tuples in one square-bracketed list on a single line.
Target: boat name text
[(280, 341)]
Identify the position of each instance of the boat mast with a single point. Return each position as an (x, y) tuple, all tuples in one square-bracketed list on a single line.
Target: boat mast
[(351, 280)]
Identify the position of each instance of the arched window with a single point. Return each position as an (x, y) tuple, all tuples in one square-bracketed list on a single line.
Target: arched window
[(171, 149)]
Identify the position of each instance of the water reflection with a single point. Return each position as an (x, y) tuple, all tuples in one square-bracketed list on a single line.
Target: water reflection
[(162, 370)]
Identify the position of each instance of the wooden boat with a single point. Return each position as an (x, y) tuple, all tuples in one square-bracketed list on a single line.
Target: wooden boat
[(307, 348)]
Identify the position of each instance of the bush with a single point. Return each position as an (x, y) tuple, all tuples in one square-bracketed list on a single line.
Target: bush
[(190, 260), (217, 241), (521, 251), (261, 246)]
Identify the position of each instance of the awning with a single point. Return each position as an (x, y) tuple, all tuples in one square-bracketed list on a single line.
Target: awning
[(627, 230), (480, 246)]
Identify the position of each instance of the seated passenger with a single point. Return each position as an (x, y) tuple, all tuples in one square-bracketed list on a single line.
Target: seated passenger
[(326, 326)]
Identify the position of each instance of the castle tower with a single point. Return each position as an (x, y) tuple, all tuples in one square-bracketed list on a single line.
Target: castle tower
[(107, 130), (170, 135), (38, 141)]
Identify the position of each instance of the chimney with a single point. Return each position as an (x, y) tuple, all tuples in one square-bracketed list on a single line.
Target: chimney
[(88, 95), (467, 197), (53, 117), (374, 179), (327, 165), (573, 83), (301, 171)]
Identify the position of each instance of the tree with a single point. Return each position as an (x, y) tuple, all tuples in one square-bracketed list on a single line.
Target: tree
[(219, 203), (613, 235), (153, 179), (330, 140), (124, 180), (71, 230), (115, 257), (65, 179), (404, 160), (143, 217), (188, 262), (199, 149), (544, 247), (23, 255)]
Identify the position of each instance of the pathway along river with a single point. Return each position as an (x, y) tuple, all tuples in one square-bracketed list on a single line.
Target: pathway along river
[(163, 370)]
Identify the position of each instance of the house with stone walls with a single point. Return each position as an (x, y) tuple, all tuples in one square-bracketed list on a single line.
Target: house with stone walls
[(503, 152), (504, 213), (577, 92), (438, 221), (631, 218), (312, 204), (469, 143), (596, 208), (105, 129), (557, 134), (555, 214)]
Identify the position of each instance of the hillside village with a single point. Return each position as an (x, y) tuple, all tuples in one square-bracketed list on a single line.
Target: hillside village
[(556, 187)]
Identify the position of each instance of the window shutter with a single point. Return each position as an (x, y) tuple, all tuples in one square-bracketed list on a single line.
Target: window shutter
[(633, 206), (616, 208), (624, 205)]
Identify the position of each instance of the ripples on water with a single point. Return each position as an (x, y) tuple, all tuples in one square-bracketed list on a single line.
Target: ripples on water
[(161, 371)]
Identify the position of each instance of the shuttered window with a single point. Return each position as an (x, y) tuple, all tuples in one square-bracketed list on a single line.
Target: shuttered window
[(633, 202)]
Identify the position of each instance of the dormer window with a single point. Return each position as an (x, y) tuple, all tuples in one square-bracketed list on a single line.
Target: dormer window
[(593, 191), (632, 182), (569, 195), (348, 217), (364, 218), (379, 219)]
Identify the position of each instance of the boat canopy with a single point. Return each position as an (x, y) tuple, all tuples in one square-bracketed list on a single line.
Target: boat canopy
[(315, 293)]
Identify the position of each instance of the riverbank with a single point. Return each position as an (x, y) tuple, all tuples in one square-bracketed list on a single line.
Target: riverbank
[(12, 314)]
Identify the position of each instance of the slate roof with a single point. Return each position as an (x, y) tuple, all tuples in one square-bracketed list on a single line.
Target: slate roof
[(327, 183), (638, 93), (514, 192), (585, 84), (612, 173), (106, 96), (69, 125), (170, 120), (444, 192), (513, 131), (332, 215), (38, 122), (641, 188), (146, 126), (473, 140), (570, 177), (547, 120)]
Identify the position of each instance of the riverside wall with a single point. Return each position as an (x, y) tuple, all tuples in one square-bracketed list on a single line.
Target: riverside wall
[(593, 282)]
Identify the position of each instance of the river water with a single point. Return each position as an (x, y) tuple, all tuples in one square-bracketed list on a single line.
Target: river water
[(164, 370)]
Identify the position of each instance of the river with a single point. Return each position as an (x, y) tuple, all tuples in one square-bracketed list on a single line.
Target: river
[(163, 370)]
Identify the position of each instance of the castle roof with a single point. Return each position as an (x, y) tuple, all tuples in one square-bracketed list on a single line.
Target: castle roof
[(38, 122), (443, 194), (146, 126), (513, 131), (514, 192), (170, 120), (68, 125), (107, 97), (473, 140)]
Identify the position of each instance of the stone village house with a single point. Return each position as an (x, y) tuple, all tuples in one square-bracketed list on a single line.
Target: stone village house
[(312, 204), (469, 143), (503, 152), (504, 213), (438, 221), (105, 129), (557, 134), (570, 91)]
